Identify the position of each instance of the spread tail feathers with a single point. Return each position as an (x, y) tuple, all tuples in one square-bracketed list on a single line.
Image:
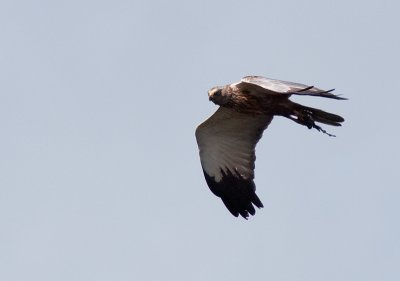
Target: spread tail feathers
[(307, 116)]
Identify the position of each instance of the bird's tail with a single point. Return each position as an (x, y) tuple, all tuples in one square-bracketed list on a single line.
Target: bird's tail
[(307, 116)]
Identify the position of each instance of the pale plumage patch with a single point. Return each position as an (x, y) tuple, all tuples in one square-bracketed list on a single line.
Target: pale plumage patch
[(227, 142)]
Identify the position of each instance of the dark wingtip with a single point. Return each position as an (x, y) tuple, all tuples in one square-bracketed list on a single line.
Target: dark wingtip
[(305, 89), (328, 94), (338, 97), (238, 194), (333, 96)]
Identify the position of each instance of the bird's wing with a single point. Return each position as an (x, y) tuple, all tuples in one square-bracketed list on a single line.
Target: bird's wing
[(227, 142), (262, 85)]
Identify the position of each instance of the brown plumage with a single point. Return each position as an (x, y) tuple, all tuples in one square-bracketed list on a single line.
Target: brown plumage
[(227, 140)]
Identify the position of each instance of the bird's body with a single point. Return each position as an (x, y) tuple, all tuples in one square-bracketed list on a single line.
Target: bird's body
[(245, 102), (228, 138)]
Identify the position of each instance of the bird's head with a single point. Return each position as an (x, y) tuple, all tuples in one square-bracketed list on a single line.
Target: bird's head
[(217, 96)]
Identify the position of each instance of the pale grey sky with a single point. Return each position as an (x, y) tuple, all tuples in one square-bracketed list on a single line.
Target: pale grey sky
[(99, 171)]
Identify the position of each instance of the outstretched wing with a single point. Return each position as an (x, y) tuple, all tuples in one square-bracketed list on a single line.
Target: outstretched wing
[(259, 84), (227, 142)]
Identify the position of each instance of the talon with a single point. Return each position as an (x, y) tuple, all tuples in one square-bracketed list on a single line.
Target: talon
[(307, 119)]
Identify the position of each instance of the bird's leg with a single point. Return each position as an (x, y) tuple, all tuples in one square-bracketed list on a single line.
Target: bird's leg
[(322, 130), (305, 118)]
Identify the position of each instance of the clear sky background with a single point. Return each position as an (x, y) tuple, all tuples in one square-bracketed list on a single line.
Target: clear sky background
[(100, 177)]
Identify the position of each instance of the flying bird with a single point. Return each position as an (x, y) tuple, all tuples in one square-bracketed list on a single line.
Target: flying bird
[(227, 139)]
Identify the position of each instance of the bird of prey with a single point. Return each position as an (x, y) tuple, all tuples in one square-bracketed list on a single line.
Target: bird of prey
[(228, 138)]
